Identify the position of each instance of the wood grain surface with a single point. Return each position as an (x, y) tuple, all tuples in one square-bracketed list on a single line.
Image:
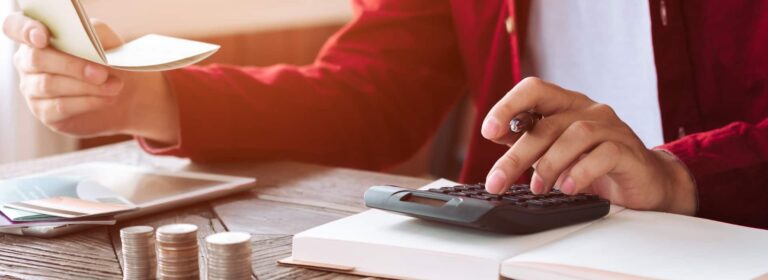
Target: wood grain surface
[(290, 197)]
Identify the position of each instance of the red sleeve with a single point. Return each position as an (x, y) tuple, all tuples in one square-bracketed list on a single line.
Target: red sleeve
[(730, 166), (374, 95)]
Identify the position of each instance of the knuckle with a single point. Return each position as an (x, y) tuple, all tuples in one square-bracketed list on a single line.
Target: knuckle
[(603, 110), (582, 129), (611, 148), (547, 128), (74, 67), (35, 59), (511, 160), (580, 100), (582, 174), (45, 112), (44, 83), (24, 87), (532, 82), (545, 167)]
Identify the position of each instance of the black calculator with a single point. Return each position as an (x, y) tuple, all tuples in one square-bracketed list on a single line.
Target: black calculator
[(517, 211)]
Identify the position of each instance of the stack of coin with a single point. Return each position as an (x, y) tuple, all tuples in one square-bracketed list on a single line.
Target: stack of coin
[(229, 255), (139, 260), (177, 252)]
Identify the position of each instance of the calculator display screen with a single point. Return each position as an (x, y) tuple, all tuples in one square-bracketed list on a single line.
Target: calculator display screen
[(424, 200)]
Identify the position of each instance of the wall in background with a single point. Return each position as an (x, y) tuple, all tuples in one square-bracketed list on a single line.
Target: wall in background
[(204, 18), (21, 135)]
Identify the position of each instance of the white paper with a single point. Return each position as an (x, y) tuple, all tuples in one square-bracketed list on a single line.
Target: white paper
[(654, 245)]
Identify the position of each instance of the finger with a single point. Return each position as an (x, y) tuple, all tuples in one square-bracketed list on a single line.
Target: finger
[(25, 30), (46, 86), (508, 139), (50, 61), (600, 161), (529, 94), (563, 175), (54, 110), (107, 36), (525, 151), (579, 138)]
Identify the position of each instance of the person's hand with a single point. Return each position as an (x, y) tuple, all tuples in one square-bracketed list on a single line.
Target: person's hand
[(82, 98), (583, 147)]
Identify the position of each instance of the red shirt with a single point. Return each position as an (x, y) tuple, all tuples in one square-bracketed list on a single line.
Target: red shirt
[(381, 86)]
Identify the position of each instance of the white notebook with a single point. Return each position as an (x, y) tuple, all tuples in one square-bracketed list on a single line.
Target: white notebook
[(625, 244), (72, 33)]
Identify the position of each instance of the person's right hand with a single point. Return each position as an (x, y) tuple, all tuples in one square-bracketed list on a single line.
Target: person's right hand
[(82, 98)]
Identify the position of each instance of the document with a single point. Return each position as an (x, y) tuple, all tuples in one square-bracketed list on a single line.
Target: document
[(61, 192), (625, 244), (72, 33)]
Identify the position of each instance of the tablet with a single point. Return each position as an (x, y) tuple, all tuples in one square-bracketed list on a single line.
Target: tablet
[(151, 190)]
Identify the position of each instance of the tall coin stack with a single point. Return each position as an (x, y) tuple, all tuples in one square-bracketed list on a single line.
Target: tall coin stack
[(229, 256), (177, 252), (139, 260)]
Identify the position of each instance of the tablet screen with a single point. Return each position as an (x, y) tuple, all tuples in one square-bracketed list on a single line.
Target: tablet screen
[(141, 187)]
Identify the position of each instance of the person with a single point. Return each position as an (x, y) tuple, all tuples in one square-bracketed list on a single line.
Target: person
[(382, 84)]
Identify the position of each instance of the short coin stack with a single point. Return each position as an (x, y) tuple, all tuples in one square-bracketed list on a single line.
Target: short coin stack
[(177, 252), (139, 260), (229, 255)]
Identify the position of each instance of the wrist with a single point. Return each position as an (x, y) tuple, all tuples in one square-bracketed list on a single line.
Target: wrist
[(153, 112), (680, 189)]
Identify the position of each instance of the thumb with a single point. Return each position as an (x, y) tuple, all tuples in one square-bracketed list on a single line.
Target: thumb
[(109, 38)]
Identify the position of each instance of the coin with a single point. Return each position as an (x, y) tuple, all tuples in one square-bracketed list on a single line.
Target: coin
[(138, 247), (229, 255), (177, 252)]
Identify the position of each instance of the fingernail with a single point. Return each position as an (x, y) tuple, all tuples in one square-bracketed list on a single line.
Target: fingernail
[(537, 184), (37, 38), (495, 183), (490, 128), (95, 74), (568, 187)]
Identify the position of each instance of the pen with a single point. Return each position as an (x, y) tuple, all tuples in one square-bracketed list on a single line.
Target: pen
[(524, 121)]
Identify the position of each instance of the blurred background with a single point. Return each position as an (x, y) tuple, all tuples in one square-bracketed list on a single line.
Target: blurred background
[(251, 32)]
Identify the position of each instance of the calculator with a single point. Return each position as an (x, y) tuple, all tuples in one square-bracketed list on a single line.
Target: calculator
[(517, 211)]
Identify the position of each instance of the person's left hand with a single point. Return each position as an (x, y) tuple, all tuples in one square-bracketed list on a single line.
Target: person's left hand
[(583, 147)]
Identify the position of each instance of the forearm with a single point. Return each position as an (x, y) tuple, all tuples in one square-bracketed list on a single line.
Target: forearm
[(308, 114)]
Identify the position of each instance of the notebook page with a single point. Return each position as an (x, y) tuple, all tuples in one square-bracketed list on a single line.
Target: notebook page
[(157, 52), (67, 30), (655, 245), (393, 243)]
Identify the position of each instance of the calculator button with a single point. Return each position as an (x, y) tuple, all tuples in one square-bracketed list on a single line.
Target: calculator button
[(515, 199), (458, 188), (440, 191), (536, 203)]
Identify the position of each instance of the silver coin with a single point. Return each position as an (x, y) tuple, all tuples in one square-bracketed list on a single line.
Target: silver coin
[(228, 238), (177, 229)]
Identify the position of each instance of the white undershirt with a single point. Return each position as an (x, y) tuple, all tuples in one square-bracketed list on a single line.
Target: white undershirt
[(602, 49)]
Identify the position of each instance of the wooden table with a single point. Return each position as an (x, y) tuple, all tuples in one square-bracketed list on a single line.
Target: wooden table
[(290, 197)]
